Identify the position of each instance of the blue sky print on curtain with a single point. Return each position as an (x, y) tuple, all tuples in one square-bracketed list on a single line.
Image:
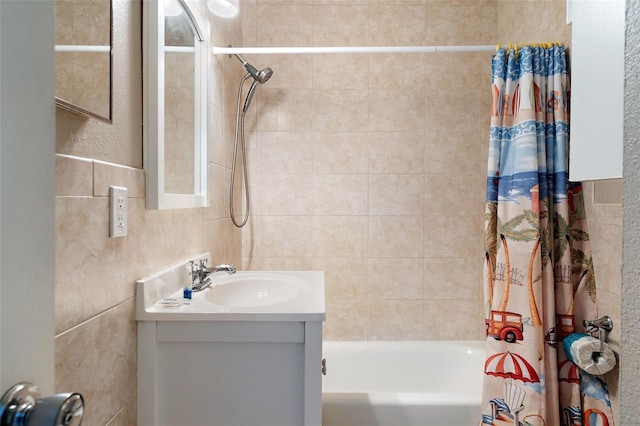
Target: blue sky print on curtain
[(539, 282)]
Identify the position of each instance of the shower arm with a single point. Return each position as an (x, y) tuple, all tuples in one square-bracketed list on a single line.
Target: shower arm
[(250, 68)]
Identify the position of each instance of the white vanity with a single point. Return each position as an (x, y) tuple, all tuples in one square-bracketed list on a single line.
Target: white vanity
[(246, 351)]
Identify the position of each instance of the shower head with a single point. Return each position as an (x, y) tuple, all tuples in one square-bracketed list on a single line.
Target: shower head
[(261, 76)]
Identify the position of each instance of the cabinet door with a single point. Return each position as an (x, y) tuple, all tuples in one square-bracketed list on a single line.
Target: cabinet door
[(597, 83)]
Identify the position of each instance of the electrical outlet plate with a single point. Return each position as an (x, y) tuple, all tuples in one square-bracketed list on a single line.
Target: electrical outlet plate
[(117, 211)]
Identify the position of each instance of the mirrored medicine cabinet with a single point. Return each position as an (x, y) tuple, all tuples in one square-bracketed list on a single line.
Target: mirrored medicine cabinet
[(83, 55), (175, 80)]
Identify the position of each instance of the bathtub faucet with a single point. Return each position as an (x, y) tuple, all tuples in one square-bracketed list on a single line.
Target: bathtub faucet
[(200, 278)]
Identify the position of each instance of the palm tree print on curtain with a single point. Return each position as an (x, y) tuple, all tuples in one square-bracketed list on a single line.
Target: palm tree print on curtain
[(539, 279)]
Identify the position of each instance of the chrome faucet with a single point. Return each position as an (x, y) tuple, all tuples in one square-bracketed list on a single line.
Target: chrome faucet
[(200, 278)]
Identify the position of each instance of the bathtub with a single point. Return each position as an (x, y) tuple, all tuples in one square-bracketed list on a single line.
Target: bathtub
[(376, 383)]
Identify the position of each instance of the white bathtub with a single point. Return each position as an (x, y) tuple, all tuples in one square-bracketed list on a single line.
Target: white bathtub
[(390, 383)]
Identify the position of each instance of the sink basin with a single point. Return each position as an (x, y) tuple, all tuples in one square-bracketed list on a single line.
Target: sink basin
[(243, 296), (254, 289)]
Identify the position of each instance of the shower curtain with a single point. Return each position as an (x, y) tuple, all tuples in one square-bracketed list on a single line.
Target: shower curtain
[(539, 279)]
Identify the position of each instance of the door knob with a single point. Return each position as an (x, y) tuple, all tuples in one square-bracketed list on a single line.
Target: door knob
[(22, 405)]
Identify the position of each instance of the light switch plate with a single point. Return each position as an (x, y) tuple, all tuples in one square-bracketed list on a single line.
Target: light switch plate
[(117, 211)]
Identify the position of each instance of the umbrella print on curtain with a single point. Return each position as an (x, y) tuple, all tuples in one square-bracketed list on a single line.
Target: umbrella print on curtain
[(538, 276), (514, 367)]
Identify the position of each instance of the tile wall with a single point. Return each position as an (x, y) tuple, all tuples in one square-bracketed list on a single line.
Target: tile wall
[(371, 167), (96, 337)]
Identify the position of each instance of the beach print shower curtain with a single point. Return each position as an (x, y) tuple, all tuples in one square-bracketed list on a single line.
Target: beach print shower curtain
[(539, 277)]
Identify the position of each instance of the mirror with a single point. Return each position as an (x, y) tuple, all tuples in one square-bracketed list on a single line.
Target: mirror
[(83, 57), (175, 80)]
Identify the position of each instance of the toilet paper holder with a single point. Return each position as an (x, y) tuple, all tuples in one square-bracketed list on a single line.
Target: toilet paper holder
[(605, 323), (601, 325)]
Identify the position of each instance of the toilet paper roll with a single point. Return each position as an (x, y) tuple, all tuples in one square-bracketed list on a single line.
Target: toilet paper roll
[(589, 354)]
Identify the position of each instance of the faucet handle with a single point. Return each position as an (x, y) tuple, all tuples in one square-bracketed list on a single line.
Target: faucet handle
[(203, 262)]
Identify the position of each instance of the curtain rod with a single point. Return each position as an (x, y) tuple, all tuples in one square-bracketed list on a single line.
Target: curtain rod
[(350, 49), (81, 48)]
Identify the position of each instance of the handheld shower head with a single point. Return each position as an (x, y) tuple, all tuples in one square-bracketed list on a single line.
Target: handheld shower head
[(247, 101), (260, 76), (264, 75)]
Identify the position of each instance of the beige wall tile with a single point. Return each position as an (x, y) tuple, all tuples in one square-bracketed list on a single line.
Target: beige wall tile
[(340, 152), (216, 246), (157, 238), (455, 108), (64, 22), (399, 1), (284, 152), (454, 236), (284, 110), (340, 110), (452, 278), (396, 320), (396, 24), (512, 29), (216, 82), (228, 140), (232, 237), (454, 153), (88, 277), (395, 236), (216, 136), (396, 152), (607, 191), (395, 279), (457, 70), (292, 72), (453, 195), (454, 320), (284, 25), (106, 174), (450, 23), (281, 264), (344, 277), (396, 110), (606, 247), (283, 194), (339, 236), (74, 176), (282, 236), (397, 71), (489, 22), (98, 360), (249, 24), (347, 319), (127, 416), (395, 194), (218, 192), (340, 24), (339, 71), (340, 194)]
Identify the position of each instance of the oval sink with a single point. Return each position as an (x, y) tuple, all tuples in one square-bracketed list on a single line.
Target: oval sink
[(249, 290)]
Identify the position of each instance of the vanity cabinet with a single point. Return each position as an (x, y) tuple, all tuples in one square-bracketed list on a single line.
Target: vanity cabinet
[(597, 89), (247, 351), (230, 373)]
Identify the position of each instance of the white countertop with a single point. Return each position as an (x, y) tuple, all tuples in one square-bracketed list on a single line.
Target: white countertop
[(308, 305)]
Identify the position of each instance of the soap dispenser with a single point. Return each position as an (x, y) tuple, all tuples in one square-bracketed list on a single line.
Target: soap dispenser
[(188, 283)]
